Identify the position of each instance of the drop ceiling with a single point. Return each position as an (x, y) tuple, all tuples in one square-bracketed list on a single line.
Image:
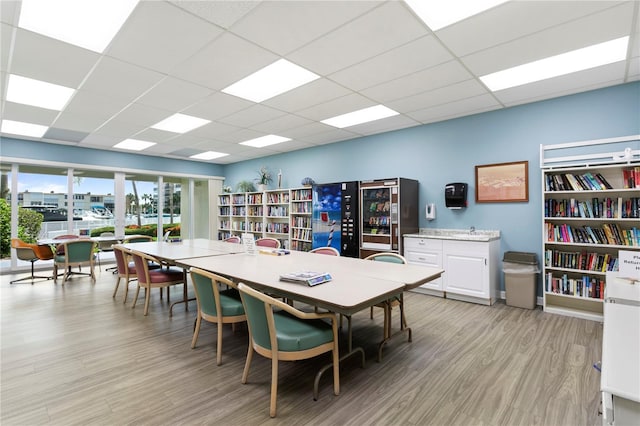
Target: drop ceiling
[(177, 56)]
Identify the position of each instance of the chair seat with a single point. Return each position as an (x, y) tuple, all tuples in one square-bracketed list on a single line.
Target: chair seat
[(295, 335), (164, 275), (230, 303), (132, 267)]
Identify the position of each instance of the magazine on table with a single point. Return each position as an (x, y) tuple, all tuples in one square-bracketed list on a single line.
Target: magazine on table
[(309, 278)]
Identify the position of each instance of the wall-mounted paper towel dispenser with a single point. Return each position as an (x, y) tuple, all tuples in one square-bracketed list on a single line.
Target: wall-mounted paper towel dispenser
[(455, 195)]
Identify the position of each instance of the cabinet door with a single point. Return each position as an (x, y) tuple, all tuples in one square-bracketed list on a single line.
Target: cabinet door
[(466, 269)]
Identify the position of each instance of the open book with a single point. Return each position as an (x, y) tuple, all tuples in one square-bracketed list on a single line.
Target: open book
[(309, 278)]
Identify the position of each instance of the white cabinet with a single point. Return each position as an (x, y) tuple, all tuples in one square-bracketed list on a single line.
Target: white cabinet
[(471, 270), (426, 252)]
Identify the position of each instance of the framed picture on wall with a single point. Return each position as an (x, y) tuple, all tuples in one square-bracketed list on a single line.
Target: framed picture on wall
[(502, 182)]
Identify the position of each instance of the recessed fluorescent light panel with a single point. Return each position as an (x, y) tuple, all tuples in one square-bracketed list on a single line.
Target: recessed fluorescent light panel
[(209, 155), (265, 141), (180, 123), (361, 116), (134, 144), (440, 14), (88, 24), (27, 91), (554, 66), (272, 80), (24, 129)]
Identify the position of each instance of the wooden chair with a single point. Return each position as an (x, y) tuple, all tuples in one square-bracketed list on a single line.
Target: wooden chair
[(233, 239), (396, 300), (154, 278), (126, 269), (76, 253), (137, 239), (287, 334), (325, 250), (215, 305), (268, 242), (31, 253)]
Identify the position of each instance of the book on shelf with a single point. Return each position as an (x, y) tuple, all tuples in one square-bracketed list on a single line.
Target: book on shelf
[(310, 278)]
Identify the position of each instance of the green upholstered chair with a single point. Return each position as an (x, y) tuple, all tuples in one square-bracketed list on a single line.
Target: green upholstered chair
[(282, 333), (75, 253), (396, 300), (215, 305)]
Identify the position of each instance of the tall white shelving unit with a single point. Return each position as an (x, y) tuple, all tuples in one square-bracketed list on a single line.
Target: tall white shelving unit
[(591, 211)]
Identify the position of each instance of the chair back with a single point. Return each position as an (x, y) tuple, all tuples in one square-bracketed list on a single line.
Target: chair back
[(268, 242), (122, 263), (208, 295), (387, 257), (257, 307), (79, 251), (141, 261), (106, 245), (234, 239), (330, 251), (26, 253)]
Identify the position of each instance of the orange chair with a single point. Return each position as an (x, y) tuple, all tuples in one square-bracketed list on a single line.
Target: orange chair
[(31, 253), (268, 242)]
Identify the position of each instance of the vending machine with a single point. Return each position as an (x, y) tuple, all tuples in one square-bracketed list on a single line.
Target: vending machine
[(335, 220)]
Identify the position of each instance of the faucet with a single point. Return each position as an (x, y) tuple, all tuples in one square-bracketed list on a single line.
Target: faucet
[(472, 229)]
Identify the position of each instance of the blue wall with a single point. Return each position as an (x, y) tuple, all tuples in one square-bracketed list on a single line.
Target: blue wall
[(439, 153)]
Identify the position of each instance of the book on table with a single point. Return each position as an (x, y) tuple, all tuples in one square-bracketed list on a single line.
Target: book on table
[(309, 278)]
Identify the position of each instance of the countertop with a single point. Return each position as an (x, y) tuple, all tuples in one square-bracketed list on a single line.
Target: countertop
[(457, 234)]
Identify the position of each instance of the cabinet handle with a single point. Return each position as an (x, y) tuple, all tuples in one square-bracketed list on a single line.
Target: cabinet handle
[(421, 243), (422, 258)]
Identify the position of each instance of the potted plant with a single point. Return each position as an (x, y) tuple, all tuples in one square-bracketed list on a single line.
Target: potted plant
[(264, 178), (245, 186)]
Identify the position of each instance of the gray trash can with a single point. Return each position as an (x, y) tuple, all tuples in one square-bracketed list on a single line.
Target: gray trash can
[(520, 271)]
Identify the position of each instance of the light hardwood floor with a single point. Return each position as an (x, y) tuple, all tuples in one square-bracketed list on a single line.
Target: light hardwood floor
[(72, 355)]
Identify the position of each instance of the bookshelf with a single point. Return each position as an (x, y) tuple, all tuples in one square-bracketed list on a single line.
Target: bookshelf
[(300, 213), (591, 210), (277, 216), (224, 216)]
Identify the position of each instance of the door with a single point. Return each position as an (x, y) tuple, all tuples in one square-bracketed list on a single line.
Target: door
[(466, 268)]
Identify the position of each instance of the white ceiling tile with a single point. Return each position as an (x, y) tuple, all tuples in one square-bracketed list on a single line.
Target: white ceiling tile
[(607, 25), (314, 93), (221, 13), (29, 114), (371, 34), (223, 62), (214, 130), (119, 129), (94, 103), (563, 85), (384, 125), (9, 12), (280, 125), (512, 20), (283, 26), (142, 115), (430, 79), (100, 141), (412, 57), (115, 78), (217, 105), (454, 92), (334, 107), (154, 135), (251, 116), (176, 35), (50, 60), (455, 109), (329, 136), (173, 94), (82, 122), (240, 135), (6, 40)]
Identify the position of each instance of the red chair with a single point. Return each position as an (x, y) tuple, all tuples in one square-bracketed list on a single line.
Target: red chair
[(268, 242), (330, 251), (126, 269), (159, 278), (233, 239)]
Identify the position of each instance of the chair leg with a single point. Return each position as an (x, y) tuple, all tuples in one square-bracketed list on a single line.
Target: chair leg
[(219, 344), (371, 313), (274, 385), (196, 331), (115, 290), (147, 299), (247, 364), (135, 299)]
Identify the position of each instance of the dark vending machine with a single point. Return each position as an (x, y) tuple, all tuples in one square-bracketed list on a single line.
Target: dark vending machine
[(335, 217)]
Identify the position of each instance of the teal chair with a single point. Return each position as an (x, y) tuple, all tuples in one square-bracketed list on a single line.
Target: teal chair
[(282, 333), (215, 305), (388, 305), (75, 253)]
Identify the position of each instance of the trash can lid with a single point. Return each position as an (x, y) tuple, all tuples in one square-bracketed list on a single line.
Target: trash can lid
[(520, 257)]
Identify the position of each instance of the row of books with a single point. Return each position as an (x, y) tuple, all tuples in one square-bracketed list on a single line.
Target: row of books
[(301, 234), (631, 177), (586, 287), (300, 245), (301, 195), (278, 228), (301, 207), (576, 182), (610, 233), (301, 222), (254, 198), (278, 197), (277, 211), (255, 211), (584, 261), (610, 208)]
